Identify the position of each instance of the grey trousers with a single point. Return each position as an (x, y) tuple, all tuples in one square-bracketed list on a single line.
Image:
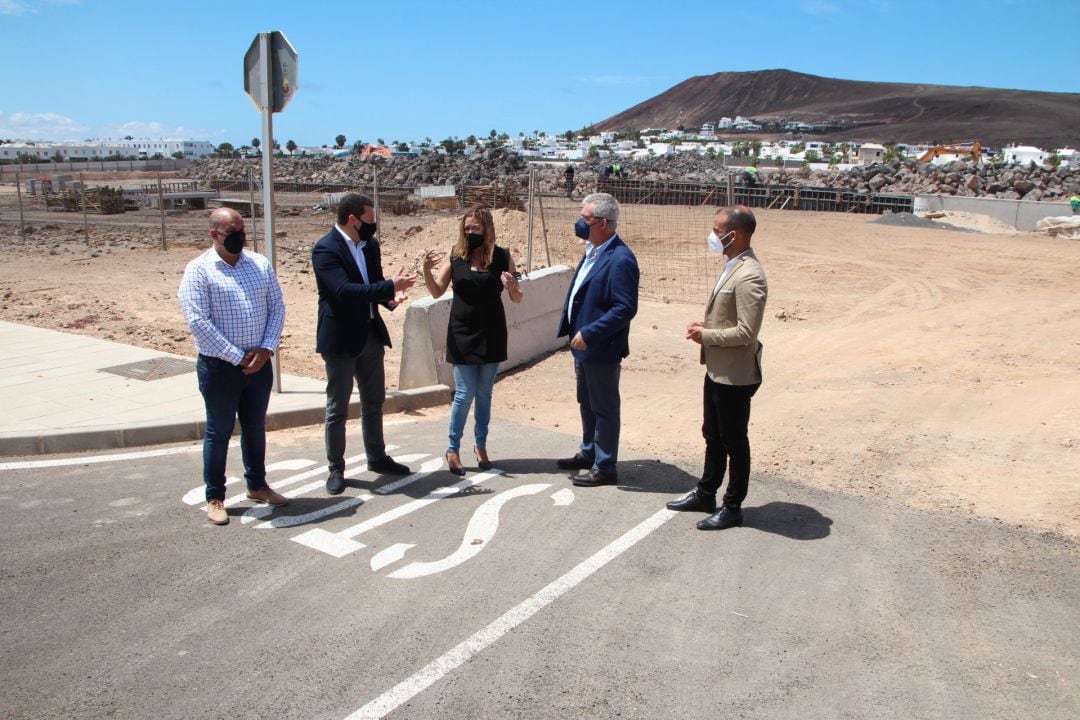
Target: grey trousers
[(367, 369)]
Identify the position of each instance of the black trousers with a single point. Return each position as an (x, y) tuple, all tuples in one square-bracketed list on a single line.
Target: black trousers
[(727, 417)]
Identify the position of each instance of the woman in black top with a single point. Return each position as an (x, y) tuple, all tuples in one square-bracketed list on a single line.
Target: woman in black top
[(476, 336)]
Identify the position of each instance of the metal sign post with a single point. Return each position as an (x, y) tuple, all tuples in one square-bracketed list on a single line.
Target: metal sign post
[(270, 66)]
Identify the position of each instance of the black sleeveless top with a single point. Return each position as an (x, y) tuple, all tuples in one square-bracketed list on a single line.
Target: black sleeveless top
[(477, 331)]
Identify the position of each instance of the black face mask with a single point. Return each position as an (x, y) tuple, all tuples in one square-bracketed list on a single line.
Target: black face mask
[(234, 242), (366, 231), (474, 240)]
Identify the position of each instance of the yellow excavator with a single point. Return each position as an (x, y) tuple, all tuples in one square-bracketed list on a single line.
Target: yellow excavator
[(974, 149)]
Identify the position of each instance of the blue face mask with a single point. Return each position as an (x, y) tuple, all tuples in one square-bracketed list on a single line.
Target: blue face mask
[(581, 229)]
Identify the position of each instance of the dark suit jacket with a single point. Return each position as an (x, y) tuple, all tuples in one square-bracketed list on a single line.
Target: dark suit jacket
[(345, 300), (604, 305)]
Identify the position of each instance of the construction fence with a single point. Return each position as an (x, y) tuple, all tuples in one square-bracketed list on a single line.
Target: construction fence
[(665, 223)]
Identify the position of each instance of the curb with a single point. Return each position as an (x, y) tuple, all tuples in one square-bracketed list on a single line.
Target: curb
[(132, 435)]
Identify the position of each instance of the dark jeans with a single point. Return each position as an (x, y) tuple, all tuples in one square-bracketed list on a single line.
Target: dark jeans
[(367, 370), (228, 393), (727, 417), (598, 400)]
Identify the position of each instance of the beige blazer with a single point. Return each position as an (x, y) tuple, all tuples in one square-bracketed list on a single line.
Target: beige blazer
[(730, 350)]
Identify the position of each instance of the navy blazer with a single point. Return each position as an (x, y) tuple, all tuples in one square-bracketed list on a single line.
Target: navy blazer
[(604, 305), (345, 300)]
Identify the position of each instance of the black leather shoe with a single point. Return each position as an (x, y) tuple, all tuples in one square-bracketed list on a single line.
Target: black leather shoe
[(724, 518), (335, 483), (578, 462), (694, 501), (387, 466), (595, 478)]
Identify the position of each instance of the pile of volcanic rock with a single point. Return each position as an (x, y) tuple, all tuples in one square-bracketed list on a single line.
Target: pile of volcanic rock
[(480, 168), (496, 165)]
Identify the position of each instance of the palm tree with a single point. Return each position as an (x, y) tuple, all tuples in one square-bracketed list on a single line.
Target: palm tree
[(340, 140), (291, 147)]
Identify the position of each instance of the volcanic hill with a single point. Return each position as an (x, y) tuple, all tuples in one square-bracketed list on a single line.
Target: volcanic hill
[(863, 111)]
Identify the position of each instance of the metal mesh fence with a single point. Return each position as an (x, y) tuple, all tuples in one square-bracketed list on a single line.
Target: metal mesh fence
[(664, 222), (667, 239)]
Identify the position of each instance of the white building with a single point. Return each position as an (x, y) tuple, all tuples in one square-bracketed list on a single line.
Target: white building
[(1069, 157), (870, 153), (140, 149), (65, 152), (1024, 154), (167, 147)]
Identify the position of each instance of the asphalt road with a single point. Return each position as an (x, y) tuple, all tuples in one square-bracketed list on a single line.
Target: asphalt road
[(514, 596)]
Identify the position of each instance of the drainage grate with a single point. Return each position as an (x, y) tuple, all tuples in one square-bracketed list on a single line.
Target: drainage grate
[(152, 369)]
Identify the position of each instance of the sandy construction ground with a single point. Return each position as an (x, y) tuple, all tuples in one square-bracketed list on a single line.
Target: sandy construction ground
[(933, 367)]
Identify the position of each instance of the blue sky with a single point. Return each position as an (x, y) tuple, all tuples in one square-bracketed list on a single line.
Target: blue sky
[(77, 69)]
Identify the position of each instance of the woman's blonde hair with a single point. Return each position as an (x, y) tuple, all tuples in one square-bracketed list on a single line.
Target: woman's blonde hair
[(461, 248)]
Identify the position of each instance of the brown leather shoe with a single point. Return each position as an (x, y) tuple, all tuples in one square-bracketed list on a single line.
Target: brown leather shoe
[(267, 495), (595, 478), (215, 512)]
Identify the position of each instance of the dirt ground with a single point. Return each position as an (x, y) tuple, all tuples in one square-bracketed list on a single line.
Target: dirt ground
[(931, 367)]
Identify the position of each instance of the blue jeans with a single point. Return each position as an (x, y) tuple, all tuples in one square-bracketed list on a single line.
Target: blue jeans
[(471, 381), (228, 393), (598, 401)]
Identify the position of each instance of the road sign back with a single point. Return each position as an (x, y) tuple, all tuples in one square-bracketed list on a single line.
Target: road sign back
[(282, 65)]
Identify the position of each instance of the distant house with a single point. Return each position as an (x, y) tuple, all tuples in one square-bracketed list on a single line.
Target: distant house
[(1024, 155), (1069, 157), (870, 153)]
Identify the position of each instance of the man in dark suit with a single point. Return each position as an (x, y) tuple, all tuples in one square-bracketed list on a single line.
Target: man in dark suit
[(351, 336), (731, 354), (596, 316)]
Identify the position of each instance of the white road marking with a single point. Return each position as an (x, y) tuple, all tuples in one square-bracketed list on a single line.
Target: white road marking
[(412, 686), (297, 464), (478, 533), (389, 556), (260, 511), (93, 459), (285, 521), (563, 497), (341, 543), (198, 494)]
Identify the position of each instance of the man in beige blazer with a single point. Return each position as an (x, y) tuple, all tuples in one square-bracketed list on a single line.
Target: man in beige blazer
[(731, 354)]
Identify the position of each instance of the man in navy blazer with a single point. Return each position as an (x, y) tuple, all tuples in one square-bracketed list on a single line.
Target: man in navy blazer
[(600, 303), (351, 336)]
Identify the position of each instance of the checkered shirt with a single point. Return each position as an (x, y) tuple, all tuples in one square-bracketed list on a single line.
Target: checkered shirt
[(232, 309)]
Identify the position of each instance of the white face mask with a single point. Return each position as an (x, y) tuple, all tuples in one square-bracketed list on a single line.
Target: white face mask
[(717, 244)]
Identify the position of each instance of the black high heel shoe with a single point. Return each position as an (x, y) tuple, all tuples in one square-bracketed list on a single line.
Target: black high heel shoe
[(482, 464), (459, 471)]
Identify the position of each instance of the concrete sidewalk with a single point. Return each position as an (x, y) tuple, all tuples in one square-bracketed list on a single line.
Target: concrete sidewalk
[(72, 393)]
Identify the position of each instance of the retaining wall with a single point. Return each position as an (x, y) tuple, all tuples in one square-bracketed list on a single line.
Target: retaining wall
[(531, 326), (1021, 214)]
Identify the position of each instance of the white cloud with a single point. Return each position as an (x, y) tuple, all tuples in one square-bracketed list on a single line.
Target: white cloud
[(30, 7), (53, 127), (41, 126), (142, 129)]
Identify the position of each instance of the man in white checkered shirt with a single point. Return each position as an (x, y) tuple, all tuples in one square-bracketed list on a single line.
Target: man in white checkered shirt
[(233, 305)]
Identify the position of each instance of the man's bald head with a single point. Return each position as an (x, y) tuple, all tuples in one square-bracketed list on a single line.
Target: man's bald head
[(225, 217)]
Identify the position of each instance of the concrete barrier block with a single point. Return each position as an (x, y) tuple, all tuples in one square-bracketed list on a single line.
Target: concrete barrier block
[(531, 326)]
